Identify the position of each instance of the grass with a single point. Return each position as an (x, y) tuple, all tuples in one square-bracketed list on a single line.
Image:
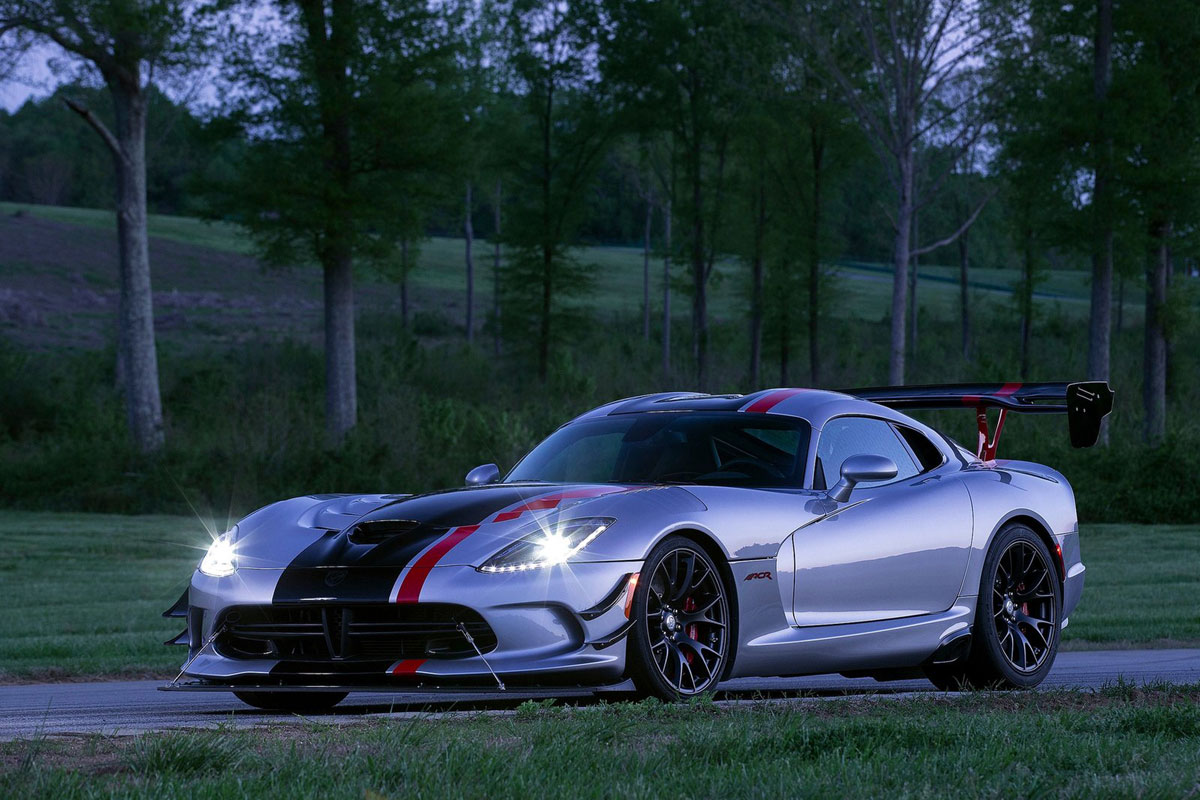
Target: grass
[(1141, 587), (1119, 742), (83, 592)]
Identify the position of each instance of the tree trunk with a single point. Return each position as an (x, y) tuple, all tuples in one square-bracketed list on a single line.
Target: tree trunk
[(1154, 381), (646, 270), (341, 396), (964, 300), (1100, 324), (544, 328), (138, 358), (666, 320), (1026, 301), (785, 345), (699, 285), (914, 273), (814, 259), (496, 272), (332, 40), (469, 234), (404, 284), (1120, 323), (900, 258), (547, 166), (756, 292)]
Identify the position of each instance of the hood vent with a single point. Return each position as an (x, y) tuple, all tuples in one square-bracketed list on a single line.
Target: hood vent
[(374, 531)]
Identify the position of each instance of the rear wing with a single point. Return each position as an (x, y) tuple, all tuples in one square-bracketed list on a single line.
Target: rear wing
[(1086, 404)]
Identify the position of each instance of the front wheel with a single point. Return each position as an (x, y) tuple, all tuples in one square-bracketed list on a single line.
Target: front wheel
[(680, 642), (1015, 636), (297, 702)]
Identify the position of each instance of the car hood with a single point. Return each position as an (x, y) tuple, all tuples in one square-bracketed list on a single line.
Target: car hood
[(389, 531)]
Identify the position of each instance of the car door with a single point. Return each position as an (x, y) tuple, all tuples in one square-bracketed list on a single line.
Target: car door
[(897, 549)]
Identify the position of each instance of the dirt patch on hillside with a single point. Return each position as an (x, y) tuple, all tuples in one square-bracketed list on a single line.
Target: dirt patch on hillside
[(58, 288)]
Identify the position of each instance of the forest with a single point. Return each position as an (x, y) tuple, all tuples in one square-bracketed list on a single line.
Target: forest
[(753, 161)]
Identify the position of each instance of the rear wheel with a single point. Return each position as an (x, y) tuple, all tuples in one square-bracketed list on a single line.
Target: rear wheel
[(292, 701), (1015, 637), (681, 640)]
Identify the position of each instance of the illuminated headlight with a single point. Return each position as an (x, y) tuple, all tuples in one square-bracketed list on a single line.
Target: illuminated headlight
[(221, 559), (547, 547)]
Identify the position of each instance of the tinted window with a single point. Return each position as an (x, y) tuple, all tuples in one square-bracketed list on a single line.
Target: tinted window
[(729, 449), (928, 456), (850, 436)]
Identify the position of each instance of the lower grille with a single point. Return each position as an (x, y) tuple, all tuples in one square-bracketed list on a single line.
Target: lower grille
[(341, 633)]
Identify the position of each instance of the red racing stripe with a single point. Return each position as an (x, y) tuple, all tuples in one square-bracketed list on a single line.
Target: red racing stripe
[(552, 501), (771, 399), (410, 587), (1006, 390), (408, 666)]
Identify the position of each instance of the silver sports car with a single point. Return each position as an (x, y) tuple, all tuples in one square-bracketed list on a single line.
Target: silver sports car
[(673, 539)]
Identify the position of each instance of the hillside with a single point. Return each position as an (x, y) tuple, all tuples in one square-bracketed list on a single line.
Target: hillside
[(58, 284)]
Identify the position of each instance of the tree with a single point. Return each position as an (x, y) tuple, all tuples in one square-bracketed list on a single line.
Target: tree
[(919, 52), (1159, 90), (1100, 321), (813, 138), (564, 126), (687, 66), (125, 43), (339, 100)]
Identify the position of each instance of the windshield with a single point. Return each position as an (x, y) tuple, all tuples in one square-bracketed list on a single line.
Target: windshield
[(729, 449)]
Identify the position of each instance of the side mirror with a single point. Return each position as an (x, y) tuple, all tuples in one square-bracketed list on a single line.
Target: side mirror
[(484, 473), (864, 467)]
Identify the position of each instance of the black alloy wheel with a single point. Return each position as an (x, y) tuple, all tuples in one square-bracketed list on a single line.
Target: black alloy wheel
[(681, 639), (1017, 619), (1024, 606)]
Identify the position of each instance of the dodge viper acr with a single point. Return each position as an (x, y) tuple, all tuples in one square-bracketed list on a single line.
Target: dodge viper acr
[(677, 540)]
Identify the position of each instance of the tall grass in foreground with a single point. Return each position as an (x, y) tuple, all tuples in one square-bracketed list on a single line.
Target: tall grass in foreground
[(245, 423), (1123, 742)]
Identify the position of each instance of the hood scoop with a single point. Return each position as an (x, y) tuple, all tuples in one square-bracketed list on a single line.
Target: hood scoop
[(374, 531)]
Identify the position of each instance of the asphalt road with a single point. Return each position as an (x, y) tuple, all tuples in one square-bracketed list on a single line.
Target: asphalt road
[(135, 706)]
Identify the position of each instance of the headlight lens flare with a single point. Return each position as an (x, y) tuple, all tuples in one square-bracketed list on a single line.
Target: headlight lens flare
[(547, 548), (221, 559)]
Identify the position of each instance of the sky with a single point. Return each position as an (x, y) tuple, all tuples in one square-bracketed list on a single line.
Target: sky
[(33, 79)]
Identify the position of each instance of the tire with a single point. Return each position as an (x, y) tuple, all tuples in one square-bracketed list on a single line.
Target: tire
[(681, 642), (1015, 637), (302, 702)]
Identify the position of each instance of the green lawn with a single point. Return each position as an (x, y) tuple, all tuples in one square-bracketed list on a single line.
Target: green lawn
[(1116, 743), (857, 290), (83, 592)]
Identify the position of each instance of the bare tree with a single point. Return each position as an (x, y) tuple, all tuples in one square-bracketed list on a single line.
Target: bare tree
[(1100, 325), (48, 178), (1154, 378), (497, 199), (124, 42), (914, 95), (469, 235)]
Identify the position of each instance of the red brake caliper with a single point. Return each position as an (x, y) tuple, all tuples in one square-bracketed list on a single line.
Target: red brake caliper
[(693, 630)]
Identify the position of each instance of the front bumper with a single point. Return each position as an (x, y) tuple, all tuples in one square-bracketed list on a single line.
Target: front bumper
[(558, 626)]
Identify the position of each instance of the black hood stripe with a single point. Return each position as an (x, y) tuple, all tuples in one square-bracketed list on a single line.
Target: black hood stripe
[(336, 568)]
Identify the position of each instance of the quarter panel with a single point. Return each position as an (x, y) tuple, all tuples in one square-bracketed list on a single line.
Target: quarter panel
[(1004, 490)]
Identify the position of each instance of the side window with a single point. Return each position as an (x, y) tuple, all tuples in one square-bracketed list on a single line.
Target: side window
[(850, 436), (927, 453)]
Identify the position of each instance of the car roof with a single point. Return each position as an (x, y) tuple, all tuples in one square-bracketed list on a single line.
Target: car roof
[(817, 406)]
